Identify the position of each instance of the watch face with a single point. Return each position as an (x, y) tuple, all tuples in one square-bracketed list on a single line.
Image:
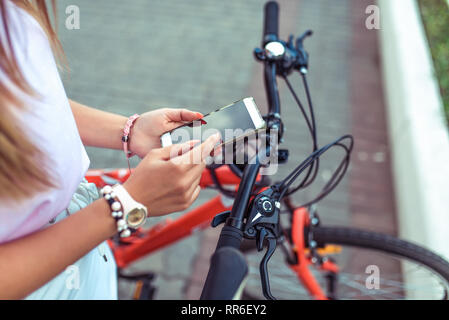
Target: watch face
[(136, 217)]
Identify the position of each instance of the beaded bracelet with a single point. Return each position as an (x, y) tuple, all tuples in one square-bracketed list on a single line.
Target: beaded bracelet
[(126, 134), (116, 211)]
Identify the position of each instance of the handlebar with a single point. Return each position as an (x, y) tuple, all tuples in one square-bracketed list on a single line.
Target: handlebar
[(258, 218), (228, 266), (271, 22), (228, 270), (271, 34), (271, 88)]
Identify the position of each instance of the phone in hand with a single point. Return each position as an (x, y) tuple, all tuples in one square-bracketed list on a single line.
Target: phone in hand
[(233, 122)]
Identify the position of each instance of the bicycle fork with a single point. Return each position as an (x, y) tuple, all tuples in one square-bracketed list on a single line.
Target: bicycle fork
[(301, 267)]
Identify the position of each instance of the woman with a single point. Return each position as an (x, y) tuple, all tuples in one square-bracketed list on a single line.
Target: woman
[(46, 251)]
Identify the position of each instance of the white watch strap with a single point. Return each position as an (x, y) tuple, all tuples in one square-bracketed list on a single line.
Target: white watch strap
[(128, 203)]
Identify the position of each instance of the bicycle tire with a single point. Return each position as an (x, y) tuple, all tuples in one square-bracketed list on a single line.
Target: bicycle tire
[(385, 244)]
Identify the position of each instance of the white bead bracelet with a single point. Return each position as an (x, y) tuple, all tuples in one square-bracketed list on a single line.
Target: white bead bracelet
[(116, 211)]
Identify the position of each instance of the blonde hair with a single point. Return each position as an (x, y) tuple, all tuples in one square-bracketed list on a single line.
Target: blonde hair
[(23, 167)]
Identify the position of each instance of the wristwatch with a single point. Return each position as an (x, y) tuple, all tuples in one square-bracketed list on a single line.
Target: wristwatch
[(128, 213), (134, 213)]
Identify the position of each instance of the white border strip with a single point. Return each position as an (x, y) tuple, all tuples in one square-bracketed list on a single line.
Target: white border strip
[(417, 128), (254, 113)]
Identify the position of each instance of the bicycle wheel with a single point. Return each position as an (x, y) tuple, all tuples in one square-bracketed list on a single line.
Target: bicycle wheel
[(372, 266)]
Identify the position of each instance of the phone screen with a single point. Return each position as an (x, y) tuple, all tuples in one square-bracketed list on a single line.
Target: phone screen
[(233, 121)]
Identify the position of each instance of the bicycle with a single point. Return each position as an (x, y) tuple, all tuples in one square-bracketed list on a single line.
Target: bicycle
[(321, 258)]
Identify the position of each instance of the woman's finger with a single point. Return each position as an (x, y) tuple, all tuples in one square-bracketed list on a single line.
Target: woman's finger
[(182, 115), (195, 194), (176, 150), (193, 185), (200, 152)]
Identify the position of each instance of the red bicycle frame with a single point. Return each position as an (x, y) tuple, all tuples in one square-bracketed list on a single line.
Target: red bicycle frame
[(167, 232), (302, 270)]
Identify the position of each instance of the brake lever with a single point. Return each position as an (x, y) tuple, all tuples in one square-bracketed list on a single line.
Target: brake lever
[(270, 238), (263, 225), (302, 63)]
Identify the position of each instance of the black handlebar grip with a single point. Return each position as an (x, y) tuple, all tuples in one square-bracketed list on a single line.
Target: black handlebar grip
[(271, 22), (230, 237), (228, 270)]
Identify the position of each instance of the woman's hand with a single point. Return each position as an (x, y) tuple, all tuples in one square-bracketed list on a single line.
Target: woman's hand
[(147, 130), (167, 179)]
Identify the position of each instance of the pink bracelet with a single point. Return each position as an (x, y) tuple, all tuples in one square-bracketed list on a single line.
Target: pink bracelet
[(126, 134)]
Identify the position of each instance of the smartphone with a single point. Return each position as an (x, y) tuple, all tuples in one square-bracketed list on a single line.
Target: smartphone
[(233, 122)]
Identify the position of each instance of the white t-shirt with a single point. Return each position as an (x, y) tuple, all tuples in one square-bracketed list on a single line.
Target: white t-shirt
[(49, 122)]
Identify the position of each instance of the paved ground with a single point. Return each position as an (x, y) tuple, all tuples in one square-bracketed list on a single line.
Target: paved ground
[(134, 56)]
